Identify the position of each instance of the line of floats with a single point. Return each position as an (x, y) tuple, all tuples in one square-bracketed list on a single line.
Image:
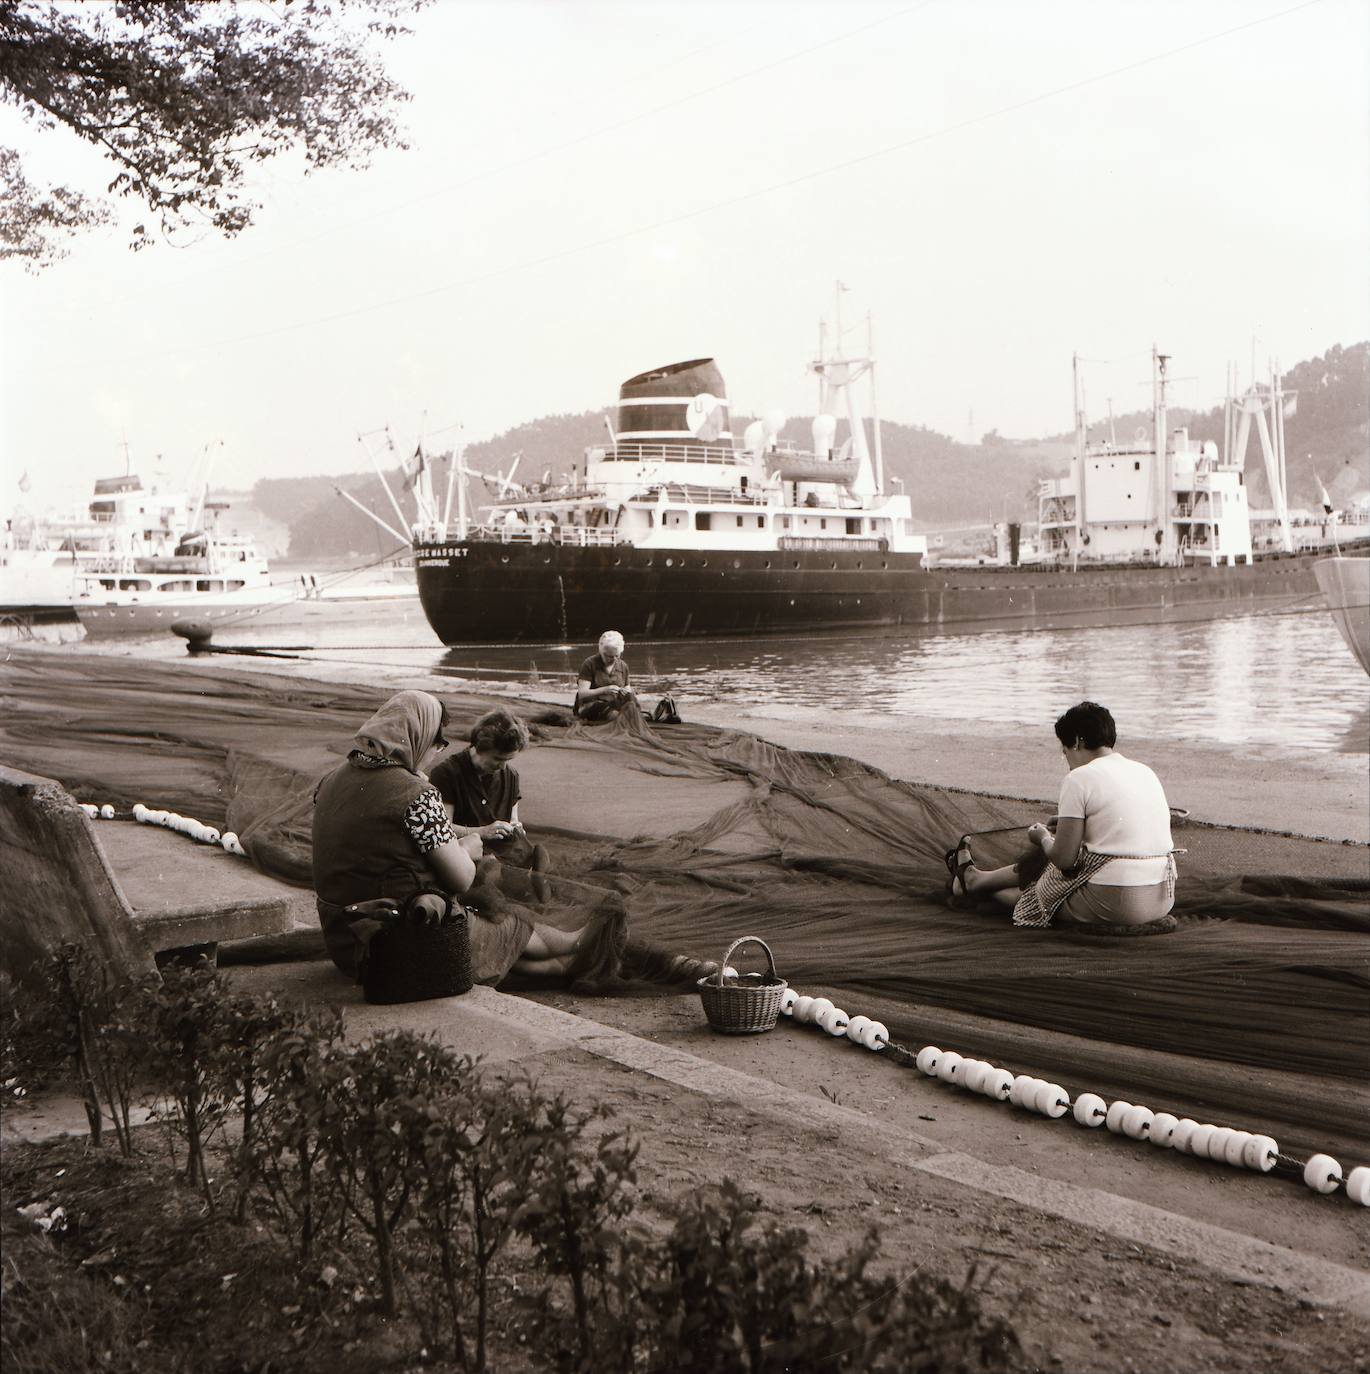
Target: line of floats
[(1221, 1144), (169, 820)]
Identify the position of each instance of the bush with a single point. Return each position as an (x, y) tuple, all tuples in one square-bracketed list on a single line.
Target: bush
[(400, 1155)]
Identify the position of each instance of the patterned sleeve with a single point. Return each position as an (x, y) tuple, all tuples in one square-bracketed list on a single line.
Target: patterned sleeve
[(427, 822)]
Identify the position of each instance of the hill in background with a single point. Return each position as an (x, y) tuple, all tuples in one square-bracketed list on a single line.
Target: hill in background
[(952, 485)]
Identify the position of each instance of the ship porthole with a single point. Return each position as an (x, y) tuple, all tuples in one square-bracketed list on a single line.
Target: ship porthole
[(547, 558), (791, 601), (834, 565), (859, 563), (767, 563), (737, 562), (504, 558), (617, 562), (796, 562), (703, 562), (884, 564), (649, 562), (670, 562)]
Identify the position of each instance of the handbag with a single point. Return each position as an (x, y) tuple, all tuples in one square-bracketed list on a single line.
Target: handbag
[(414, 956)]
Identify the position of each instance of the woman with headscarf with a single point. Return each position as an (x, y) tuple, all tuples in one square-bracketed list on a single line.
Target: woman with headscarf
[(381, 834)]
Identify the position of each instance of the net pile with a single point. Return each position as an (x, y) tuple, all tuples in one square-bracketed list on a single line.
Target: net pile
[(1255, 1011)]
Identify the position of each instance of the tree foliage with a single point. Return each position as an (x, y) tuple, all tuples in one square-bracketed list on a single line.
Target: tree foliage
[(182, 97)]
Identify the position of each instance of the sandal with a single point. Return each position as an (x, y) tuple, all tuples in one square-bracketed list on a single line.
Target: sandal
[(956, 870)]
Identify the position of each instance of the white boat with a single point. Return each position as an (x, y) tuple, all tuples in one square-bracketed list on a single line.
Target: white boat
[(1345, 582), (138, 559)]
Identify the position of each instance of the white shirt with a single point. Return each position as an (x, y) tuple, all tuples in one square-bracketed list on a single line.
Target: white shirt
[(1125, 812)]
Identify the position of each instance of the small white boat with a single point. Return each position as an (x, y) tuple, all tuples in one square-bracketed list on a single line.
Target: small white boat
[(1345, 582), (138, 559)]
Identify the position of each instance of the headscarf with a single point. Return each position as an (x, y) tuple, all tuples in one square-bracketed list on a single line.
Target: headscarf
[(403, 730)]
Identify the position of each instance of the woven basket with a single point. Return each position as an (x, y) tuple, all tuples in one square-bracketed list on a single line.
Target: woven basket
[(413, 961), (747, 1005)]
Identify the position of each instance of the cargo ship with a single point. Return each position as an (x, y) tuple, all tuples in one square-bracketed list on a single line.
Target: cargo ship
[(674, 528)]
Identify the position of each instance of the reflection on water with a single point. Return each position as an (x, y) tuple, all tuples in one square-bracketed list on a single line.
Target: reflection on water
[(1262, 679)]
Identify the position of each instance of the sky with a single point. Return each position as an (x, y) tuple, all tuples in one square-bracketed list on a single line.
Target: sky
[(596, 187)]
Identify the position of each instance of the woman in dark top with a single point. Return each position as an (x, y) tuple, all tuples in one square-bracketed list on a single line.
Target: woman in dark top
[(380, 832), (480, 784), (602, 689)]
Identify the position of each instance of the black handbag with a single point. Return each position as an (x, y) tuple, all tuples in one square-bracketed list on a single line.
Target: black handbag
[(414, 957)]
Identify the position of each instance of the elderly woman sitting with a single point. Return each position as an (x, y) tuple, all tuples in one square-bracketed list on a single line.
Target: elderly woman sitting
[(1105, 860), (381, 836), (602, 689)]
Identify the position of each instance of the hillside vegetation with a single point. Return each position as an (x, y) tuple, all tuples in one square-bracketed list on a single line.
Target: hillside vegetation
[(951, 484)]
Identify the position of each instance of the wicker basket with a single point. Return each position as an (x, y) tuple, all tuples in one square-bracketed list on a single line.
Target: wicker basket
[(747, 1005)]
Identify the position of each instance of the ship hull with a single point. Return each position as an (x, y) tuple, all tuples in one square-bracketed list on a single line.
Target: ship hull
[(486, 592)]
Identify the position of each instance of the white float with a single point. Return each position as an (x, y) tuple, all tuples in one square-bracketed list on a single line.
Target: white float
[(1200, 1138), (803, 1010), (855, 1026), (835, 1022), (1259, 1153), (1050, 1100), (787, 998), (948, 1066), (1090, 1109), (876, 1036), (1162, 1130), (1357, 1184), (1024, 1086), (730, 972), (1116, 1111), (140, 813), (927, 1058), (973, 1073), (1322, 1173), (1184, 1131), (107, 812), (998, 1084), (820, 1005), (1234, 1152), (1137, 1122)]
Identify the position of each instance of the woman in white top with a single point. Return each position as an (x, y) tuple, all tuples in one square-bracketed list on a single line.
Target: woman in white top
[(1107, 854)]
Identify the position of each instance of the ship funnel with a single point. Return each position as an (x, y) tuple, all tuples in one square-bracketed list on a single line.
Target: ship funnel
[(824, 431), (754, 438), (683, 404)]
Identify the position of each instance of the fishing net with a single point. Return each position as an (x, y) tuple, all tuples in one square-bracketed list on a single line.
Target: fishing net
[(1256, 1010)]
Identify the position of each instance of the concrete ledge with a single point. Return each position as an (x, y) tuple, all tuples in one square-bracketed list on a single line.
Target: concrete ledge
[(63, 885), (183, 893)]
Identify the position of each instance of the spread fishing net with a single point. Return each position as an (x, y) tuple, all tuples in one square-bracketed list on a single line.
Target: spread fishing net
[(1254, 1011)]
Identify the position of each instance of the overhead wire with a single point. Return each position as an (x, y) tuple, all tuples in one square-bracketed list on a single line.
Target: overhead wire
[(715, 207), (396, 207)]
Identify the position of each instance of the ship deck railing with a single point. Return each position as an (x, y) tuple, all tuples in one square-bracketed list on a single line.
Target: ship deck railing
[(576, 536), (637, 451)]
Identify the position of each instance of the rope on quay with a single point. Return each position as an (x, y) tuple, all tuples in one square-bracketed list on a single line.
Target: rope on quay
[(1228, 1145), (311, 593)]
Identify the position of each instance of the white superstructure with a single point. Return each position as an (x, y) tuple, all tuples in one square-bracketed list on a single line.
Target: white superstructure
[(1160, 499)]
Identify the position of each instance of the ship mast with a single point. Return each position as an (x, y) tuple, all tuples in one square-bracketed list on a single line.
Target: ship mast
[(838, 373), (1166, 547), (1081, 527), (1253, 403)]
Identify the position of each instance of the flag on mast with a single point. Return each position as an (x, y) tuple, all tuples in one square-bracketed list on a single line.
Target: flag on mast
[(414, 469)]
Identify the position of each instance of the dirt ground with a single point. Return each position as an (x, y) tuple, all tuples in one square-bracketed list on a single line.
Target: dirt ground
[(1080, 1299)]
